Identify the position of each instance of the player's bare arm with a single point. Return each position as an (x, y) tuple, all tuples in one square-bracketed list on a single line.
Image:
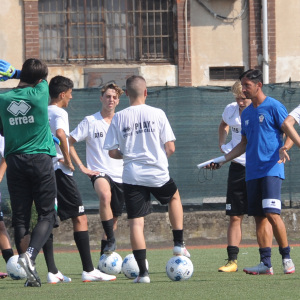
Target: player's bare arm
[(223, 133), (60, 134), (78, 161), (170, 148), (238, 150), (288, 128), (3, 167), (115, 153)]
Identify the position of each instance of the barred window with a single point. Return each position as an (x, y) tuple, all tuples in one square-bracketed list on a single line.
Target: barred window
[(106, 30), (225, 73)]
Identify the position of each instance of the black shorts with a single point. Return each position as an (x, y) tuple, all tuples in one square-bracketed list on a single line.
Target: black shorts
[(138, 200), (1, 213), (117, 194), (69, 202), (236, 200), (30, 177)]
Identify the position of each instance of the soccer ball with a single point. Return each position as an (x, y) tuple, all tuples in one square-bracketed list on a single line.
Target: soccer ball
[(110, 263), (130, 267), (14, 270), (179, 268)]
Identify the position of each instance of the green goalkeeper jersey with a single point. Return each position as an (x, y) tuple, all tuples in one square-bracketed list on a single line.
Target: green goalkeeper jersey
[(24, 120)]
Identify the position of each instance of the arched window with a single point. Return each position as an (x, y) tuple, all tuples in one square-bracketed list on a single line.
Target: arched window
[(106, 30)]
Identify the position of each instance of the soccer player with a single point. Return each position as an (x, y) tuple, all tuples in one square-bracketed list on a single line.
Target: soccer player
[(262, 134), (69, 202), (29, 149), (5, 246), (105, 172), (142, 136), (236, 198)]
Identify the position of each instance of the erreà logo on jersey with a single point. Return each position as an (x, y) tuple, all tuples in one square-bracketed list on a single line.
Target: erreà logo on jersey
[(20, 108)]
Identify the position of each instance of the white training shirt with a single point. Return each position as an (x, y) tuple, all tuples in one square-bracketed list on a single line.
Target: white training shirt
[(231, 116), (1, 146), (93, 130), (59, 119), (140, 133), (296, 114)]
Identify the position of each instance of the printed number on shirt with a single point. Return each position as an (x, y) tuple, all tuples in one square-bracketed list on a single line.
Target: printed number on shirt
[(98, 134)]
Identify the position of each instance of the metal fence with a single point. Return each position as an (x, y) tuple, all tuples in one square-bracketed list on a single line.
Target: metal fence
[(194, 114)]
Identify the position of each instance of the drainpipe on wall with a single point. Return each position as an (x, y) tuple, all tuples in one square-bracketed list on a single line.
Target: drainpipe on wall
[(265, 42)]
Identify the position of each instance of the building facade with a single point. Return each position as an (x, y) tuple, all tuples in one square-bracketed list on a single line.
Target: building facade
[(169, 42)]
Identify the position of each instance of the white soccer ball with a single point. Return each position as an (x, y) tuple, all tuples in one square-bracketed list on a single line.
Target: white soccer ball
[(179, 268), (14, 270), (110, 263), (130, 267)]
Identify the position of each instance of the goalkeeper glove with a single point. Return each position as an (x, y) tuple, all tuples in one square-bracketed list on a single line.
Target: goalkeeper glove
[(7, 71)]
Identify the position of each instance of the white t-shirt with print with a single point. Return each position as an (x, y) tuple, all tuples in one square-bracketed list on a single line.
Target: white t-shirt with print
[(93, 129), (140, 133), (296, 114), (231, 116), (59, 119)]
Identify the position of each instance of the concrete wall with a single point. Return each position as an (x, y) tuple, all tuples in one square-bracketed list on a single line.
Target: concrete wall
[(215, 42), (200, 228), (288, 40), (11, 35)]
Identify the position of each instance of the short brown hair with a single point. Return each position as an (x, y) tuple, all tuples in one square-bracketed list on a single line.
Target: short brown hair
[(112, 86)]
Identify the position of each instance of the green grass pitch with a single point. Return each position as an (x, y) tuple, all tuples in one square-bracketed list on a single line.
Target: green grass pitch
[(206, 282)]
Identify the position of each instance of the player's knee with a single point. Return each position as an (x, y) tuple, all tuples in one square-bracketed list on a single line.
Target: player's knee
[(105, 201), (273, 218), (82, 220)]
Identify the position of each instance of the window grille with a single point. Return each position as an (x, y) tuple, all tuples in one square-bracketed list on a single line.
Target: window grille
[(106, 30), (225, 73)]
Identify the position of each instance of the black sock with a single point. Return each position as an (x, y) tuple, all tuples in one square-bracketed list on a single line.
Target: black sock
[(7, 254), (82, 241), (103, 244), (33, 253), (178, 237), (49, 255), (233, 252), (140, 257), (108, 227)]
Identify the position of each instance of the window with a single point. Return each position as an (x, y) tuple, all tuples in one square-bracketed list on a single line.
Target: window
[(225, 73), (106, 30)]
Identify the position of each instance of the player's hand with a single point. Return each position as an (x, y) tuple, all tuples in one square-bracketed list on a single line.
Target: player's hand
[(7, 71), (88, 172), (214, 166), (68, 164), (283, 155)]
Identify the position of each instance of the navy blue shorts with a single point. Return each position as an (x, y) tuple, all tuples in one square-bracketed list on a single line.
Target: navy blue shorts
[(264, 196), (138, 200)]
